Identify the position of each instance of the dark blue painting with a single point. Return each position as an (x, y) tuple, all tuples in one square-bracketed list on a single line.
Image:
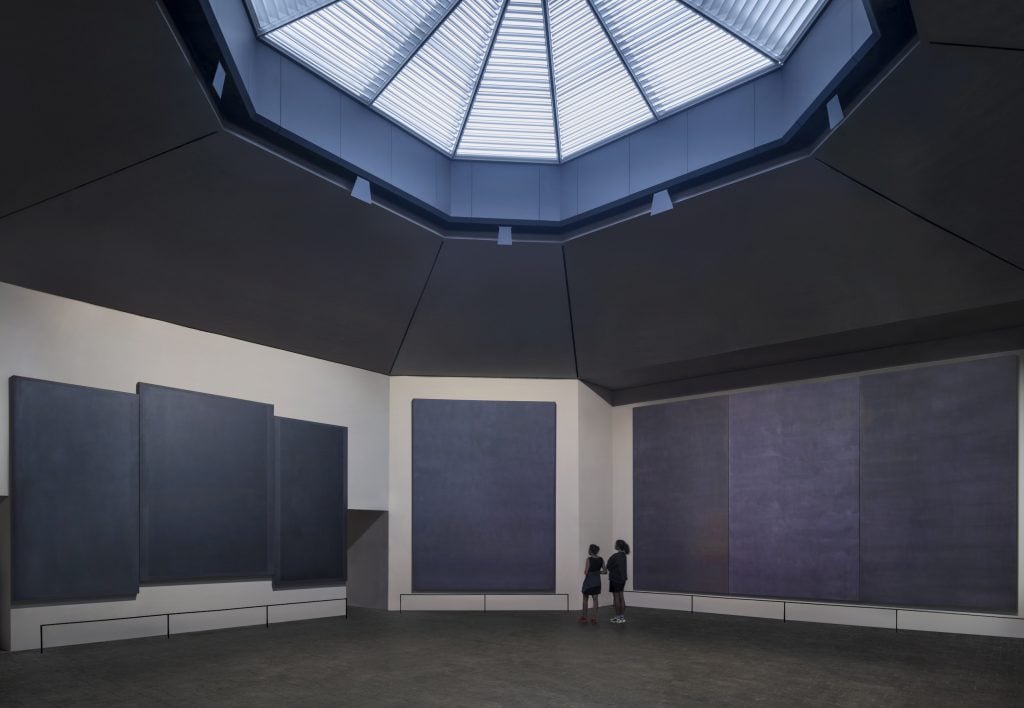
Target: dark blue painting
[(483, 496)]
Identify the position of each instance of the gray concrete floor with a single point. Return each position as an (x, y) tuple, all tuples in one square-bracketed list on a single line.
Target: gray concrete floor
[(476, 659)]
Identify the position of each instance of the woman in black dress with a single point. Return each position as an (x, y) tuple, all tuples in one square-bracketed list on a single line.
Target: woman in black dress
[(617, 579), (593, 566)]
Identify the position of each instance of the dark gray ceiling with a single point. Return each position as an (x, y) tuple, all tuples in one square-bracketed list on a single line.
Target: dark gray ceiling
[(991, 23), (947, 142), (220, 236), (89, 88), (489, 310), (795, 253), (897, 240)]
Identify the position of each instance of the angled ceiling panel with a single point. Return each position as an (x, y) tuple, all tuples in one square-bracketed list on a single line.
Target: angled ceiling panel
[(773, 26), (992, 23), (432, 93), (942, 137), (795, 253), (84, 108), (492, 310), (359, 44), (222, 237), (676, 54), (596, 97), (512, 115)]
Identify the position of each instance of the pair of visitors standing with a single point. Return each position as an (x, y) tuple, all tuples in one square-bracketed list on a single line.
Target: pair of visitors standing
[(593, 568)]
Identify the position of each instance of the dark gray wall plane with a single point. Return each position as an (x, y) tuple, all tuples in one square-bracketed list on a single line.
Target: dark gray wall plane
[(206, 473), (681, 496), (311, 500), (793, 491), (368, 559), (483, 496), (75, 483), (939, 486)]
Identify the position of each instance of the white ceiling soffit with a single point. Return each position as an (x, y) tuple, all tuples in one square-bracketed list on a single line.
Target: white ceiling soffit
[(431, 94), (596, 97), (360, 44), (773, 26), (511, 116), (271, 14), (676, 54)]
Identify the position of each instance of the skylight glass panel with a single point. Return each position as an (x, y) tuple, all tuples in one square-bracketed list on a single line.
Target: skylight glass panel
[(677, 55), (511, 117), (774, 26), (595, 96), (431, 95), (271, 14), (360, 44)]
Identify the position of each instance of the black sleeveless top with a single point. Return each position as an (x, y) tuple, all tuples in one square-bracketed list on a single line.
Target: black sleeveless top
[(594, 564)]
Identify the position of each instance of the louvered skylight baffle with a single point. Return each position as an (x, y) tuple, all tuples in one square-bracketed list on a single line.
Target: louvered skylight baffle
[(533, 80), (773, 26), (512, 116), (359, 44)]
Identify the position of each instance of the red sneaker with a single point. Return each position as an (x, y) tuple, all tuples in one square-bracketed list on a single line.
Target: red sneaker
[(593, 620), (583, 619)]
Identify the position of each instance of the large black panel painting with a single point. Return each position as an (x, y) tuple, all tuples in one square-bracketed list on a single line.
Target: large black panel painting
[(681, 496), (939, 486), (205, 486), (483, 496), (793, 491), (312, 500), (75, 492)]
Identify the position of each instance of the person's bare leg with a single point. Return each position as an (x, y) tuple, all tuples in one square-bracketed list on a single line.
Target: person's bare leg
[(585, 607)]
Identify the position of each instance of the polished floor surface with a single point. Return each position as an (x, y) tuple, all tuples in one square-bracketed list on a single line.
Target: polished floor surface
[(493, 659)]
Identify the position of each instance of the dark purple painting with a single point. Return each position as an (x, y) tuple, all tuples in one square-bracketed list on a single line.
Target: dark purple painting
[(681, 496), (939, 486), (793, 491), (483, 496)]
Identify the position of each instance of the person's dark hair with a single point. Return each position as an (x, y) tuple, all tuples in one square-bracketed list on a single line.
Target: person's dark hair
[(594, 550), (621, 545)]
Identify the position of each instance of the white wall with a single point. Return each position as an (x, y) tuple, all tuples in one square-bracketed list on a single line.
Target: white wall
[(565, 395), (48, 337), (595, 444), (622, 472)]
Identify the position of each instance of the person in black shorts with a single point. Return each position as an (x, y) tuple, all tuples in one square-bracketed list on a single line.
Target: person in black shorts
[(617, 579), (593, 567)]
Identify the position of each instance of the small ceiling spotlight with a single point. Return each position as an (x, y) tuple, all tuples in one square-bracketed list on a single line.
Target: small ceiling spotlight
[(661, 202), (835, 112), (361, 191), (218, 80)]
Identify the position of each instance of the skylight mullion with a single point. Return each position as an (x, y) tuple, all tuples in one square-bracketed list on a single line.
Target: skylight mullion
[(551, 81), (432, 93), (773, 26), (629, 69), (697, 8), (440, 21), (268, 19), (479, 78)]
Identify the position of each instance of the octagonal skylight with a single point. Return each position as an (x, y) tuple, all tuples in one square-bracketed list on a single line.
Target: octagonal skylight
[(532, 80)]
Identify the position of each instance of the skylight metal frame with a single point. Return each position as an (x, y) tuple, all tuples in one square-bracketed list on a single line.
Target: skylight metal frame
[(480, 77), (551, 82), (260, 31), (700, 11), (622, 58), (797, 38), (318, 5)]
